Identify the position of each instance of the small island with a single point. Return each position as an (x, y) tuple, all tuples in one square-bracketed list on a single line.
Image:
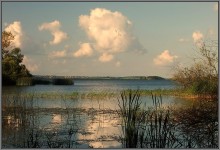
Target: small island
[(155, 78)]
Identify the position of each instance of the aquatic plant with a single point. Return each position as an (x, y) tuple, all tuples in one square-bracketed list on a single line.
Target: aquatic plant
[(145, 127), (159, 131), (132, 117)]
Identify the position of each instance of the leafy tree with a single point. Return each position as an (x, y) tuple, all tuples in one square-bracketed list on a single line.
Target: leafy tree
[(202, 77), (12, 69), (7, 38)]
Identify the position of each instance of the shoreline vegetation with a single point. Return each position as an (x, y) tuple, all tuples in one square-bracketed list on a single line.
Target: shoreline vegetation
[(194, 126), (164, 92), (100, 77), (180, 91)]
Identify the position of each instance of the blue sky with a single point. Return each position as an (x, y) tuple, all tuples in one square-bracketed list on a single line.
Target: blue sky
[(109, 38)]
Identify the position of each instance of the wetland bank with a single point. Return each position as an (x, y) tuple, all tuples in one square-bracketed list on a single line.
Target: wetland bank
[(89, 114)]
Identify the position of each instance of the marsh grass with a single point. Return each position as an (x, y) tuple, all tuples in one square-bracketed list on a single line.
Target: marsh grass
[(194, 126), (145, 127), (22, 123), (132, 117), (106, 94), (160, 130)]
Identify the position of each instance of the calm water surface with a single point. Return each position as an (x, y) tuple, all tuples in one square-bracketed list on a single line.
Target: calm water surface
[(103, 85), (77, 122)]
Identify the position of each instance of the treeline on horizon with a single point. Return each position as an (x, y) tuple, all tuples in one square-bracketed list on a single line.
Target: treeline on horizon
[(69, 80), (101, 77)]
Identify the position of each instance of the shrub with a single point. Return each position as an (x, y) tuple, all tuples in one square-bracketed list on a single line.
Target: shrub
[(202, 77), (199, 123)]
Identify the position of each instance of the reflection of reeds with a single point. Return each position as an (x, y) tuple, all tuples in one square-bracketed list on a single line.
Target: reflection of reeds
[(22, 115)]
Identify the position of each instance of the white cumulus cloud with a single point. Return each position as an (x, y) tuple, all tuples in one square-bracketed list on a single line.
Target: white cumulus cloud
[(16, 29), (84, 50), (197, 36), (29, 63), (106, 57), (57, 54), (110, 32), (54, 28), (164, 58)]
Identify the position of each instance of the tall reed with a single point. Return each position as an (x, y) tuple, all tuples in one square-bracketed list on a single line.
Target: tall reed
[(132, 117), (145, 127), (159, 132)]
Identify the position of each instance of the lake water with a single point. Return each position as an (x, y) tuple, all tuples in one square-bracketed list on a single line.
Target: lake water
[(77, 122), (102, 85)]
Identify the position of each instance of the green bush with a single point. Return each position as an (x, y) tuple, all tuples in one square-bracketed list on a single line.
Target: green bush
[(204, 87), (201, 78)]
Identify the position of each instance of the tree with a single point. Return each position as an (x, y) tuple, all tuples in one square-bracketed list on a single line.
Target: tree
[(12, 68), (202, 77), (7, 38)]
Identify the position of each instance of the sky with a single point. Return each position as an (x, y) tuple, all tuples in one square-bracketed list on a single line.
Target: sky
[(109, 38)]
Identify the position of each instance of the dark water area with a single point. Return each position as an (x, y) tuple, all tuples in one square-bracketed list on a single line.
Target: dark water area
[(78, 122)]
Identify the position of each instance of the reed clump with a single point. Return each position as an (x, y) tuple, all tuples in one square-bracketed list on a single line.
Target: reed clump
[(132, 116), (193, 126), (145, 127), (159, 129)]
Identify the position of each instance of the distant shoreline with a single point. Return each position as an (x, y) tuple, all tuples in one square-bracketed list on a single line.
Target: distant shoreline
[(101, 77)]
